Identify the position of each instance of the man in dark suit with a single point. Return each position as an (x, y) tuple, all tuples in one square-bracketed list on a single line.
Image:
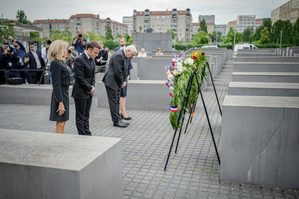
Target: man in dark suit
[(84, 86), (115, 78), (102, 58), (35, 62)]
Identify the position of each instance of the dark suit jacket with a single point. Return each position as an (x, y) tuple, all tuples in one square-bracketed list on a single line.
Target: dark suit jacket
[(32, 62), (130, 64), (104, 54), (84, 77), (116, 73)]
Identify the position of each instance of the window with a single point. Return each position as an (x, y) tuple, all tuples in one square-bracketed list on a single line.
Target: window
[(158, 21), (157, 25), (72, 20), (163, 17), (188, 21), (158, 17), (163, 21)]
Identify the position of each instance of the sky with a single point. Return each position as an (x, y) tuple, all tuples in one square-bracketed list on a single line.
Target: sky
[(224, 11)]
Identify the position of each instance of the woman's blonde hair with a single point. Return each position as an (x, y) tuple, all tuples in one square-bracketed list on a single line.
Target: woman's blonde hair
[(56, 50)]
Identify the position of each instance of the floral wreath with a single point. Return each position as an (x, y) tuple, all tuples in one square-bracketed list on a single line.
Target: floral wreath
[(179, 73)]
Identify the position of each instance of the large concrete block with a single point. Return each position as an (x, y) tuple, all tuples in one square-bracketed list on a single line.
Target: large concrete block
[(259, 141), (142, 95), (263, 89), (266, 67), (153, 69), (287, 77), (28, 94), (255, 54), (266, 59), (48, 165)]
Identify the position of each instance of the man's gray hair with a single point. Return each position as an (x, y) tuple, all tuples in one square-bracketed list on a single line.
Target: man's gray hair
[(132, 48)]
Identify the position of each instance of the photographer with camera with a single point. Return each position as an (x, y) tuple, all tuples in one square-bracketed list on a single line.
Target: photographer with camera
[(70, 58), (79, 42), (20, 51), (10, 60), (45, 57), (102, 58)]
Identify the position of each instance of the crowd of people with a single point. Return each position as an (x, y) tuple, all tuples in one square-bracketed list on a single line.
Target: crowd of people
[(75, 66)]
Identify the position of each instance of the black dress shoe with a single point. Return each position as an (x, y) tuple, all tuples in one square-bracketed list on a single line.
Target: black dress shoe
[(120, 124), (125, 118)]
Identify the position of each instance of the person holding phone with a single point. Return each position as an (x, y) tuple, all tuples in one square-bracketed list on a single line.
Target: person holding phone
[(70, 59), (45, 58), (10, 60)]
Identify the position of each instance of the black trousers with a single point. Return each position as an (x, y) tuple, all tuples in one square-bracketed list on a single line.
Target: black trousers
[(36, 77), (113, 99), (82, 115)]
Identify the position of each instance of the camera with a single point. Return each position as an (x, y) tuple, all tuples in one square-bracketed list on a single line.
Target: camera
[(9, 50), (6, 36), (69, 51), (49, 42), (80, 35)]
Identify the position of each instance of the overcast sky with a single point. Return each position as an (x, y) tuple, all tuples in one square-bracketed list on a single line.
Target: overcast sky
[(224, 11)]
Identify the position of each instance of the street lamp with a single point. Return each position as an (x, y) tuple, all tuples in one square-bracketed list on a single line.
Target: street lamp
[(280, 37)]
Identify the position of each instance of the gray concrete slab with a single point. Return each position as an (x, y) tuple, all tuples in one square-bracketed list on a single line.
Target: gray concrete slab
[(263, 89), (255, 54), (259, 140), (28, 94), (266, 59), (283, 77), (46, 165), (266, 67)]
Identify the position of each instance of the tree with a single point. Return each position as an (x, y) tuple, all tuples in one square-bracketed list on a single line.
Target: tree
[(265, 39), (173, 33), (295, 32), (202, 26), (140, 29), (129, 38), (286, 27), (6, 28), (108, 34), (257, 35), (21, 16), (246, 34), (92, 36), (233, 36), (201, 38), (34, 34)]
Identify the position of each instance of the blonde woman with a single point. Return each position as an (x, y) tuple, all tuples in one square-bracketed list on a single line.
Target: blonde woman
[(142, 53), (159, 52), (62, 77)]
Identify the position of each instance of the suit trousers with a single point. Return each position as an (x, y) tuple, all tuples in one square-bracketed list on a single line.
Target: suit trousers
[(113, 99), (82, 115), (36, 77)]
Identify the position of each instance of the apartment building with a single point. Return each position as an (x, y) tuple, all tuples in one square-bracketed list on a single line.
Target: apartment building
[(86, 22), (221, 28), (287, 11), (160, 21), (208, 18), (128, 20), (48, 25), (116, 27)]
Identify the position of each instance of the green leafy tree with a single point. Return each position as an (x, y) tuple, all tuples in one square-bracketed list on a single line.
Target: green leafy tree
[(129, 39), (265, 36), (203, 26), (140, 29), (108, 34), (173, 33), (268, 24), (119, 36), (6, 28), (231, 36), (286, 27), (246, 34), (34, 34), (201, 38), (92, 36), (257, 35), (295, 33), (29, 23), (21, 16)]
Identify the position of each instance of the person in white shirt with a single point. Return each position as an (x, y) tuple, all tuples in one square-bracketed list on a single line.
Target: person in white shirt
[(142, 53), (45, 58)]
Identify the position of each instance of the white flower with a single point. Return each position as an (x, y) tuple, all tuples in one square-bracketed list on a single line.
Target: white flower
[(168, 72), (179, 65), (184, 68), (175, 72), (186, 61), (190, 61), (171, 88), (170, 76)]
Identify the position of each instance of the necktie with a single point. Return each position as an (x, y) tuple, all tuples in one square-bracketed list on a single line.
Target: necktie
[(91, 61)]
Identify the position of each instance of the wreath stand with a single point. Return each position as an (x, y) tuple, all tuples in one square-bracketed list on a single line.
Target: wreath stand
[(183, 109)]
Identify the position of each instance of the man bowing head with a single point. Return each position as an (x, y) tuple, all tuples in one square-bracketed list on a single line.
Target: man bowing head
[(84, 86), (115, 78)]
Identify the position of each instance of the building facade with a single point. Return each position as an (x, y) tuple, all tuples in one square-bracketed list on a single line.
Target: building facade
[(287, 11), (116, 27), (221, 28), (160, 21), (128, 20), (86, 22), (208, 18)]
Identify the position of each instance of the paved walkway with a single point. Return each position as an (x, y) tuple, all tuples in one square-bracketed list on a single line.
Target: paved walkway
[(192, 173)]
